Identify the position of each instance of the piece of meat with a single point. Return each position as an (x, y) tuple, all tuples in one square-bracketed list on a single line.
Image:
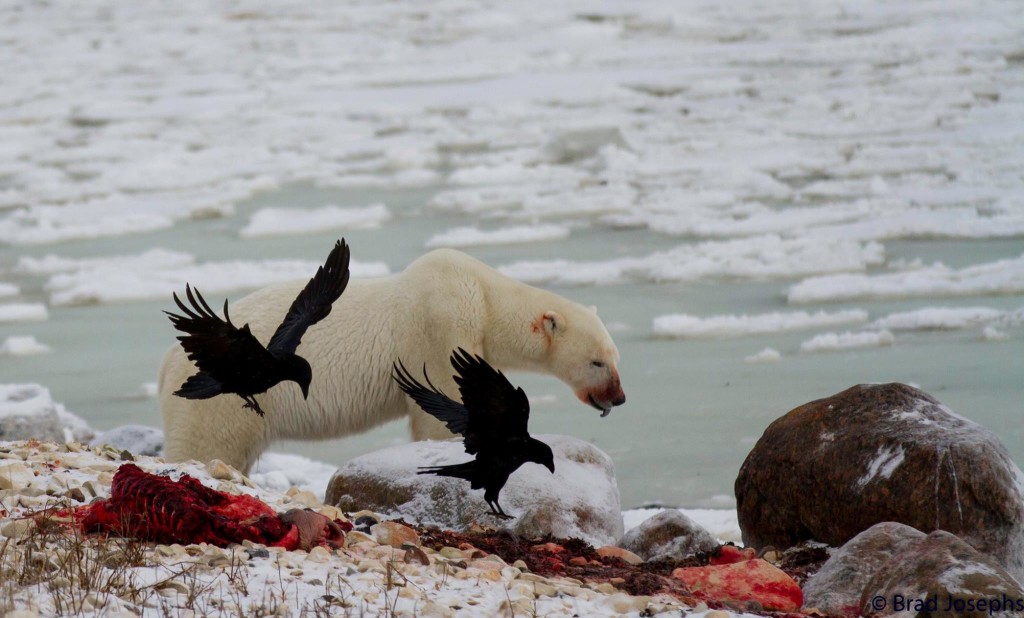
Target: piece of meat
[(155, 508)]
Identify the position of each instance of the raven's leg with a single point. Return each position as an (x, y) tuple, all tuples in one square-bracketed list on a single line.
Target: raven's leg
[(252, 404), (501, 512)]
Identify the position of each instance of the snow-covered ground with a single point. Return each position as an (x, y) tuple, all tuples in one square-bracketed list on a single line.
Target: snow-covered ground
[(742, 171)]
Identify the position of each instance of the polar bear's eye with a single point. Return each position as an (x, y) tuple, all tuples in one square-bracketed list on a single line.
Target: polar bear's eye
[(597, 364)]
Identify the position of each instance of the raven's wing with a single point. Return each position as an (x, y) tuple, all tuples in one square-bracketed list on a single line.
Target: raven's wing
[(433, 401), (314, 301), (498, 410), (216, 346)]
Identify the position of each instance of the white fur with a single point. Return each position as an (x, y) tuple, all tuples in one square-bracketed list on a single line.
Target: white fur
[(443, 300)]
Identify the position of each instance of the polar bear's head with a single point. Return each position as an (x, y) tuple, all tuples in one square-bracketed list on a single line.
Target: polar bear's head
[(578, 349)]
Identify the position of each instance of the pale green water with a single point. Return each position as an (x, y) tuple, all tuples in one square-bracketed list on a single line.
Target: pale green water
[(694, 408)]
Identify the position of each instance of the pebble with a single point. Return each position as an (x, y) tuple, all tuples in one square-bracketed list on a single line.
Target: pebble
[(306, 498), (319, 554), (221, 471), (18, 528), (521, 565), (394, 534), (15, 476), (611, 551)]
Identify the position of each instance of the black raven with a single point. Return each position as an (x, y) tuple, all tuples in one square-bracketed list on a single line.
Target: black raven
[(231, 360), (491, 418)]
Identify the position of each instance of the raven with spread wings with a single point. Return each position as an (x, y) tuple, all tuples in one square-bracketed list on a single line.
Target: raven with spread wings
[(491, 418), (231, 360)]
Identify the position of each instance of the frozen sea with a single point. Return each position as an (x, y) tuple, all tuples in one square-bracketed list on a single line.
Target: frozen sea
[(767, 202)]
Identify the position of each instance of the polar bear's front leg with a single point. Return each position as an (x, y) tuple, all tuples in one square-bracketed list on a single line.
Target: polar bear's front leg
[(422, 426)]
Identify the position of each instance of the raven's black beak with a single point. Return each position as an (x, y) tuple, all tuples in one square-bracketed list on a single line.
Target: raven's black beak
[(550, 466), (305, 390)]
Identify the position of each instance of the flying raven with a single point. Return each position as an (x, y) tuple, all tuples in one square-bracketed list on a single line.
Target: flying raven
[(491, 418), (231, 360)]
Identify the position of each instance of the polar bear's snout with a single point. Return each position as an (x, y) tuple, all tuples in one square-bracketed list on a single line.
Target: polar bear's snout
[(604, 396)]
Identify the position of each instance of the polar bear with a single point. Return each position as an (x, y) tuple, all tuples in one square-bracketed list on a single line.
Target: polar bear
[(441, 301)]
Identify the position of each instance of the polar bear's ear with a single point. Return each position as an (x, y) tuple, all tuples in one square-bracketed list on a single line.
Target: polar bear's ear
[(553, 322), (593, 309)]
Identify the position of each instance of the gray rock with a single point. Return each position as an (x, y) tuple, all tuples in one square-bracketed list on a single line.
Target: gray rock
[(581, 499), (28, 412), (668, 535), (136, 439), (942, 570), (836, 588), (834, 467)]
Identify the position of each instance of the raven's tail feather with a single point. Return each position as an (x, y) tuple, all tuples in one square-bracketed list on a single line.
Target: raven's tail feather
[(199, 386), (467, 471)]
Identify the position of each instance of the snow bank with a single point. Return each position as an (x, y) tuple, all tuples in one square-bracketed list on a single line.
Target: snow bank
[(473, 236), (846, 341), (22, 312), (157, 273), (22, 345), (999, 277), (280, 471), (8, 289), (683, 326), (295, 221)]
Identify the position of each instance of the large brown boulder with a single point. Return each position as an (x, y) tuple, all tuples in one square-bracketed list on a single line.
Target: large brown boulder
[(581, 499), (940, 575), (834, 467)]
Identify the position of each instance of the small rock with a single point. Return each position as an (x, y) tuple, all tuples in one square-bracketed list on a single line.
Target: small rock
[(452, 553), (307, 499), (257, 552), (668, 535), (522, 566), (18, 528), (611, 551), (544, 590), (221, 471), (394, 534), (15, 476), (363, 523), (837, 586), (730, 554), (626, 604), (415, 554), (743, 582), (319, 554)]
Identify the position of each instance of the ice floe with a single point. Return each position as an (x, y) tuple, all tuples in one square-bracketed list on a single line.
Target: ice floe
[(939, 318), (683, 326), (998, 277), (759, 257), (474, 236), (22, 312), (767, 355), (22, 345), (292, 221), (826, 342), (156, 273)]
